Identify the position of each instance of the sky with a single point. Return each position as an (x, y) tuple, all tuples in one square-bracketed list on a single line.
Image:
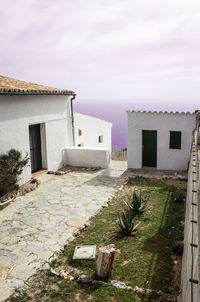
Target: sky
[(134, 54)]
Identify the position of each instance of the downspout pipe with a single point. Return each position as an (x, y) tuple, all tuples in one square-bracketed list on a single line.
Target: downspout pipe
[(72, 116)]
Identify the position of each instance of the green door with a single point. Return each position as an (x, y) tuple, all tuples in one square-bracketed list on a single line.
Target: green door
[(35, 147), (149, 148)]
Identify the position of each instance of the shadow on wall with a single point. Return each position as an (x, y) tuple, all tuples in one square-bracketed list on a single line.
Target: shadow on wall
[(28, 106)]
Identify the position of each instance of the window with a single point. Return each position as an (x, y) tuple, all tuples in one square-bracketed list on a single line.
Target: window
[(79, 132), (101, 139), (175, 140)]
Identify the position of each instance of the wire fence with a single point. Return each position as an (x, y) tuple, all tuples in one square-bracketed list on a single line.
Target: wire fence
[(119, 153)]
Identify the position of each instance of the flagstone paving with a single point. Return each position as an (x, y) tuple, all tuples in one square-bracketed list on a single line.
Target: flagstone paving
[(39, 224)]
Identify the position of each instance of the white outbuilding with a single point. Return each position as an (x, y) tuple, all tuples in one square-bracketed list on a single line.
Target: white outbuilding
[(160, 140), (92, 132)]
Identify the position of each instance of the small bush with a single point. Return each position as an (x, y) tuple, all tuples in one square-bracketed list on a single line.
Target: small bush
[(11, 166), (178, 249), (126, 224), (137, 204), (179, 196)]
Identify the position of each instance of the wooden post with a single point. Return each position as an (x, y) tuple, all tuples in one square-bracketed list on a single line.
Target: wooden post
[(105, 260), (198, 125)]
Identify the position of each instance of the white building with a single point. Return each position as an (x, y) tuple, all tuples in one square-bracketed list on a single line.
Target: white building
[(39, 121), (92, 132), (36, 120), (160, 139)]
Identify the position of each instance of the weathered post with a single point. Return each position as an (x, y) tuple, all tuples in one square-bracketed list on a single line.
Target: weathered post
[(197, 126), (105, 260)]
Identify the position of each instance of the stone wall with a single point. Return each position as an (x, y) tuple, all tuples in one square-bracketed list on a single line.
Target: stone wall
[(190, 286)]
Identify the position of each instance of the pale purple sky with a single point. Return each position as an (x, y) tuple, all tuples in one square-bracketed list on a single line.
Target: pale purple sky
[(134, 51)]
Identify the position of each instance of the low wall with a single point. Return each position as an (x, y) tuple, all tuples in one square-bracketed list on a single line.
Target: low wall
[(190, 287), (87, 157)]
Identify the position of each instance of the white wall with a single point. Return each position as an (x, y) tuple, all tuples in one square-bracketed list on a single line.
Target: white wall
[(53, 112), (92, 128), (87, 157), (167, 159)]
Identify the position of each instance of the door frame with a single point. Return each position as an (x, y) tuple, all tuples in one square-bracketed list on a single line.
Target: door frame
[(43, 147), (156, 149)]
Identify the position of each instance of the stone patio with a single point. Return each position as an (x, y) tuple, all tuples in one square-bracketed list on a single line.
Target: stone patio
[(38, 225)]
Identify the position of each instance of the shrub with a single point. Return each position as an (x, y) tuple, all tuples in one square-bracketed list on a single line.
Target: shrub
[(179, 196), (126, 224), (178, 249), (137, 204), (11, 166)]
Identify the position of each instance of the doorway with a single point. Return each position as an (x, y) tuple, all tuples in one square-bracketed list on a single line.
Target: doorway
[(149, 148), (35, 147)]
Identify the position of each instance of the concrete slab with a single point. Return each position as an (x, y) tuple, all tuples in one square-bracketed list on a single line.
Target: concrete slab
[(84, 252)]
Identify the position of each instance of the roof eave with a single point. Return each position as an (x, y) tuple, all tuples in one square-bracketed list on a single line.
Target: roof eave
[(34, 92)]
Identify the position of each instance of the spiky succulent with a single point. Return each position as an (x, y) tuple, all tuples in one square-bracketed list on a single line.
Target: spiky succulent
[(137, 204), (126, 224)]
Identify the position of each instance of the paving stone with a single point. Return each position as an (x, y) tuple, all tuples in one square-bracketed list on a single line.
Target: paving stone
[(40, 223), (19, 272), (15, 283), (34, 248), (5, 267), (5, 290), (75, 222)]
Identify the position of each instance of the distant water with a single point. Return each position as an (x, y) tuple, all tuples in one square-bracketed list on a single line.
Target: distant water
[(116, 113)]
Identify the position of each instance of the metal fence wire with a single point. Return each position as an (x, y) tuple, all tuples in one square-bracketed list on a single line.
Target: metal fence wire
[(119, 153)]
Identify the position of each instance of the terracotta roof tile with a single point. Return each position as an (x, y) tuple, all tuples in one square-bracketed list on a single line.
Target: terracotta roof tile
[(12, 86)]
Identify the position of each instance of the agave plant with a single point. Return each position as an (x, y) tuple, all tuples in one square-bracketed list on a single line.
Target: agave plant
[(126, 224), (137, 205)]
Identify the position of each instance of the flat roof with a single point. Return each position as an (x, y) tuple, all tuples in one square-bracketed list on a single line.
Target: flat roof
[(94, 117)]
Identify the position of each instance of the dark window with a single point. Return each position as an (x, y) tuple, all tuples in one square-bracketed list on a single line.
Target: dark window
[(175, 140), (101, 139)]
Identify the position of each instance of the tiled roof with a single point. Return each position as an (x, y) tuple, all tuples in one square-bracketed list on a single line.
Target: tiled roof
[(159, 112), (14, 87)]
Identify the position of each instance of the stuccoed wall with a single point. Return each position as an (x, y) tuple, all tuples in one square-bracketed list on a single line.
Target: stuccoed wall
[(92, 128), (87, 157), (53, 112), (167, 159)]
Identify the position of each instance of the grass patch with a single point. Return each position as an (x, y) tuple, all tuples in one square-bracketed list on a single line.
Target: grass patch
[(145, 260)]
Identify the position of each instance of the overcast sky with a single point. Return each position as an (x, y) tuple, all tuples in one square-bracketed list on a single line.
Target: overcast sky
[(108, 50)]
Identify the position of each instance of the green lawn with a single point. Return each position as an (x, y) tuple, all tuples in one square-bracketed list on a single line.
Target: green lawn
[(145, 260)]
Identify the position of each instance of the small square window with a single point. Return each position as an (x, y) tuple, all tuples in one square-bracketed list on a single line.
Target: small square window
[(79, 132), (101, 139), (175, 140)]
